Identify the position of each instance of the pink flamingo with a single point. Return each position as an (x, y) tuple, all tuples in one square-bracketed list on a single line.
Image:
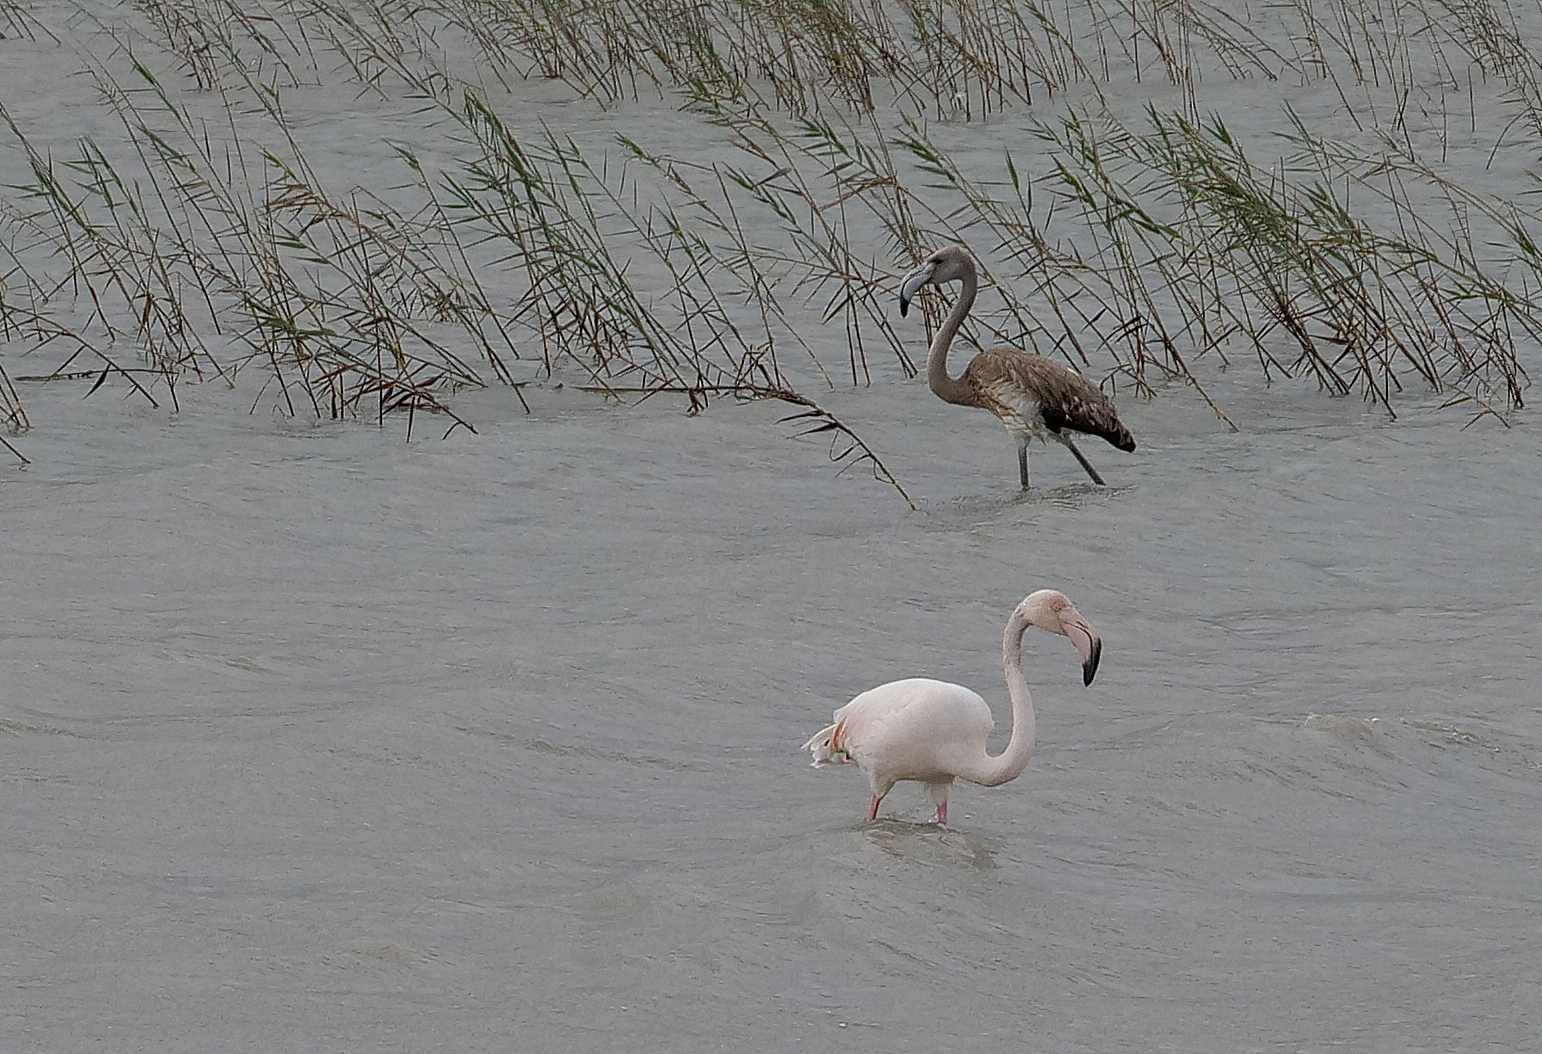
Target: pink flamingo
[(935, 732)]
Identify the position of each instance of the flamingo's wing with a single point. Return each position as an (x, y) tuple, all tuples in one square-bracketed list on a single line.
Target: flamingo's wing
[(830, 745), (1066, 399), (903, 722), (1035, 389)]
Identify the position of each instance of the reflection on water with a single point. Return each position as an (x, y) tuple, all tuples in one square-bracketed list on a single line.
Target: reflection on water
[(1064, 496), (926, 842)]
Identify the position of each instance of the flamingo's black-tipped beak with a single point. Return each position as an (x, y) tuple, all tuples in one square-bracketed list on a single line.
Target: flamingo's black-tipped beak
[(1088, 644), (913, 283), (1090, 664)]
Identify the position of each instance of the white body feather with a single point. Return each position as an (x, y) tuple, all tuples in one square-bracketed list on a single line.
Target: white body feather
[(915, 729)]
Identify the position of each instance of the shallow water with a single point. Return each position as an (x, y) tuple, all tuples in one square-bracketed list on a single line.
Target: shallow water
[(318, 740)]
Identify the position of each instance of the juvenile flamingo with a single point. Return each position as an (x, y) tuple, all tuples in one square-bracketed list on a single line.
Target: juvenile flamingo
[(935, 732), (1035, 397)]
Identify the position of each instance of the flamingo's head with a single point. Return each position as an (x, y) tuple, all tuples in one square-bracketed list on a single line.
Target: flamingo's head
[(948, 264), (1049, 610)]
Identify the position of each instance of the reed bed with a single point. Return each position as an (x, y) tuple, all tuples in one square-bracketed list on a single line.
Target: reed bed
[(204, 241)]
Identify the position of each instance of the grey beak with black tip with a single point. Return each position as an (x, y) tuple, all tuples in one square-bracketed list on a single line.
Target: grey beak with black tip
[(1090, 666), (913, 283)]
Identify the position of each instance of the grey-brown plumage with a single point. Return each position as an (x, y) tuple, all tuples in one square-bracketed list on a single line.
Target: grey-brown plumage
[(1033, 396)]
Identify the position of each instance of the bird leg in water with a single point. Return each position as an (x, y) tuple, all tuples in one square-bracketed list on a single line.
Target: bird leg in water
[(1022, 464), (939, 793), (1085, 463), (872, 813)]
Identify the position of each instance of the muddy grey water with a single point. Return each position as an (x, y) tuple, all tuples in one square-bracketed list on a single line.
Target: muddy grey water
[(317, 740)]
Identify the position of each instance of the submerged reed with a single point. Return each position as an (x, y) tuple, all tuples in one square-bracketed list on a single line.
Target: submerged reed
[(1133, 247)]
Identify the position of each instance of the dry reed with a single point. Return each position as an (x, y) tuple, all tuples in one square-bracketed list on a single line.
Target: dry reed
[(1127, 248)]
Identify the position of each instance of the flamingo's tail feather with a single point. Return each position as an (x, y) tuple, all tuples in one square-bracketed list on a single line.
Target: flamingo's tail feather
[(826, 747)]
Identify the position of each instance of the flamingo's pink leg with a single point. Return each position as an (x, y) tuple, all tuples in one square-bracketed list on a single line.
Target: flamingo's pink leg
[(942, 814), (872, 813)]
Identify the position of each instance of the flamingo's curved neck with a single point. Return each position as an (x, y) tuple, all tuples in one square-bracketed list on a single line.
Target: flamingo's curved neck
[(991, 771), (952, 389)]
